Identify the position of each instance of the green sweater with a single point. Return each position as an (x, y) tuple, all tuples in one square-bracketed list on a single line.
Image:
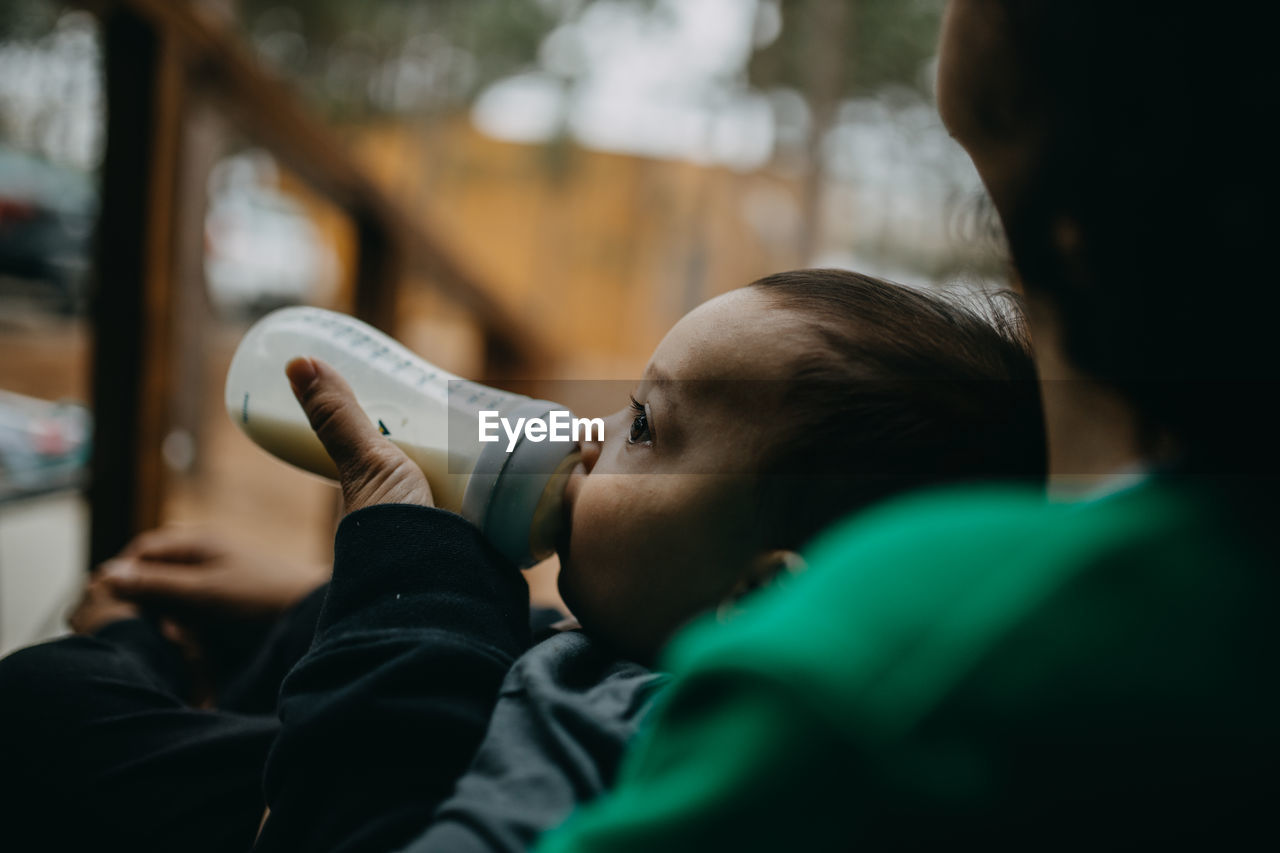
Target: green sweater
[(973, 666)]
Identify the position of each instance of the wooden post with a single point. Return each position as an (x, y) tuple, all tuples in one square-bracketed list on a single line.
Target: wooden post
[(159, 52), (379, 263), (202, 142), (131, 299)]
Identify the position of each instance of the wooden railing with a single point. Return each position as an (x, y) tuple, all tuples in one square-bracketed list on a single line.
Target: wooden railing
[(161, 57)]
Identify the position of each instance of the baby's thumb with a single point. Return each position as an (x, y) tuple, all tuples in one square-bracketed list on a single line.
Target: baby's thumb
[(371, 469), (349, 437)]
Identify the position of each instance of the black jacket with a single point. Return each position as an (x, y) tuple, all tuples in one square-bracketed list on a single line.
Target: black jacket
[(413, 653)]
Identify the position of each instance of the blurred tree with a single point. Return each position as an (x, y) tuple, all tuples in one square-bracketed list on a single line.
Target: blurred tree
[(399, 56), (881, 42), (50, 98), (832, 50), (26, 19)]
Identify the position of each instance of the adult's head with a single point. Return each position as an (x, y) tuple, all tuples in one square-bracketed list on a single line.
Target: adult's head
[(1127, 148)]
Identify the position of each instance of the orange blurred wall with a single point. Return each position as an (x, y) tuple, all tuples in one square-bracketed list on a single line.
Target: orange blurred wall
[(598, 253)]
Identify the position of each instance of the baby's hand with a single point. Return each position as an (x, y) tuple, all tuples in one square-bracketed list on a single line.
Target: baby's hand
[(371, 469)]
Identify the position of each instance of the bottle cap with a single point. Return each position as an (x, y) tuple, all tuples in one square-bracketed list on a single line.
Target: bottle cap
[(514, 497)]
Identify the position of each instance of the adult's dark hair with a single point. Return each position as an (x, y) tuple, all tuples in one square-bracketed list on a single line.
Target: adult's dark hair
[(898, 389), (1146, 213)]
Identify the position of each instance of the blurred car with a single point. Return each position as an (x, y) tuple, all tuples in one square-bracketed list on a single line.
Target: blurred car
[(47, 215), (44, 445)]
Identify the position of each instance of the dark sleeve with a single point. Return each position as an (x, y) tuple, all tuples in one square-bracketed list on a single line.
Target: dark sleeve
[(564, 715), (732, 762), (379, 719), (141, 639)]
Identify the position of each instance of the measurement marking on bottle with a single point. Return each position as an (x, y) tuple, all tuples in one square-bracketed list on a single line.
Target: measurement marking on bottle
[(382, 428)]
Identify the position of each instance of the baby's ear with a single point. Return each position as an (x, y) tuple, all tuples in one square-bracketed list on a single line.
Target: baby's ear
[(764, 570), (768, 566)]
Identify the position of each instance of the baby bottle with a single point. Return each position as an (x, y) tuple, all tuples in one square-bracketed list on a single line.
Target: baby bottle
[(509, 487)]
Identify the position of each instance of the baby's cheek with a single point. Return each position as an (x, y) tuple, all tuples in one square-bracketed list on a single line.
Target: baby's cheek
[(597, 531), (614, 534)]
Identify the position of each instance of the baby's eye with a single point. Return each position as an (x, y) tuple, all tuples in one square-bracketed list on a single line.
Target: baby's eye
[(640, 432)]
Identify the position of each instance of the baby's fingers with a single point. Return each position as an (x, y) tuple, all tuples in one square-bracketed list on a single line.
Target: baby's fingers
[(346, 432), (371, 469)]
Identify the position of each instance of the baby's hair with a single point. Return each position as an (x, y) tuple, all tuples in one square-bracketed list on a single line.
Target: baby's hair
[(898, 389)]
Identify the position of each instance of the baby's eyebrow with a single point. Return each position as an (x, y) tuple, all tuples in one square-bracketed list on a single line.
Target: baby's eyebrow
[(655, 374)]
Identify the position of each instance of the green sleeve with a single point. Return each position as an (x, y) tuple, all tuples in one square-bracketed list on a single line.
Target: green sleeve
[(728, 747), (953, 664), (774, 720)]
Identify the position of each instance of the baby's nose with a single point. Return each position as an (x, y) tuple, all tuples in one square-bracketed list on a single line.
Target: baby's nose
[(590, 453)]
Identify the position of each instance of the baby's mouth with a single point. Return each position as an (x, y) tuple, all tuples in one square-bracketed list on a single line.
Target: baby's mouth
[(571, 488)]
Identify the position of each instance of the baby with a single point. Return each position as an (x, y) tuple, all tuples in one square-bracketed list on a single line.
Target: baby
[(768, 413), (763, 416), (422, 709)]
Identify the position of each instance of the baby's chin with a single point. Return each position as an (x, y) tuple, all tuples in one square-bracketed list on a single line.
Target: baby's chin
[(564, 585), (563, 543)]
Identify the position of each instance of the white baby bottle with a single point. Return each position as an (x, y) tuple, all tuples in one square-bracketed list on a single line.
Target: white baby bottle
[(511, 488)]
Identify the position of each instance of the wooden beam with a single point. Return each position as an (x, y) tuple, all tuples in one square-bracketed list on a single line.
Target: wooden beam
[(379, 263), (131, 297), (270, 112)]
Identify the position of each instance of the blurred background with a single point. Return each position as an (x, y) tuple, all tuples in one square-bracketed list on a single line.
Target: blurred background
[(516, 189)]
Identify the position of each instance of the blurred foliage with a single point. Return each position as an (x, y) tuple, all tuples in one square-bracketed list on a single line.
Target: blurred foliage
[(50, 94), (882, 42), (356, 59), (27, 19)]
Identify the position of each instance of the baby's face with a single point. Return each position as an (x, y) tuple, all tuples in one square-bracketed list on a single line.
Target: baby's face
[(661, 522)]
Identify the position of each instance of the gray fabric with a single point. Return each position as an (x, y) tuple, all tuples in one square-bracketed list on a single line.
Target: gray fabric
[(564, 714)]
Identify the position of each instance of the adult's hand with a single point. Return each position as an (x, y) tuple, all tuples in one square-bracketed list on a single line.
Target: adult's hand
[(185, 572), (98, 607), (371, 469)]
